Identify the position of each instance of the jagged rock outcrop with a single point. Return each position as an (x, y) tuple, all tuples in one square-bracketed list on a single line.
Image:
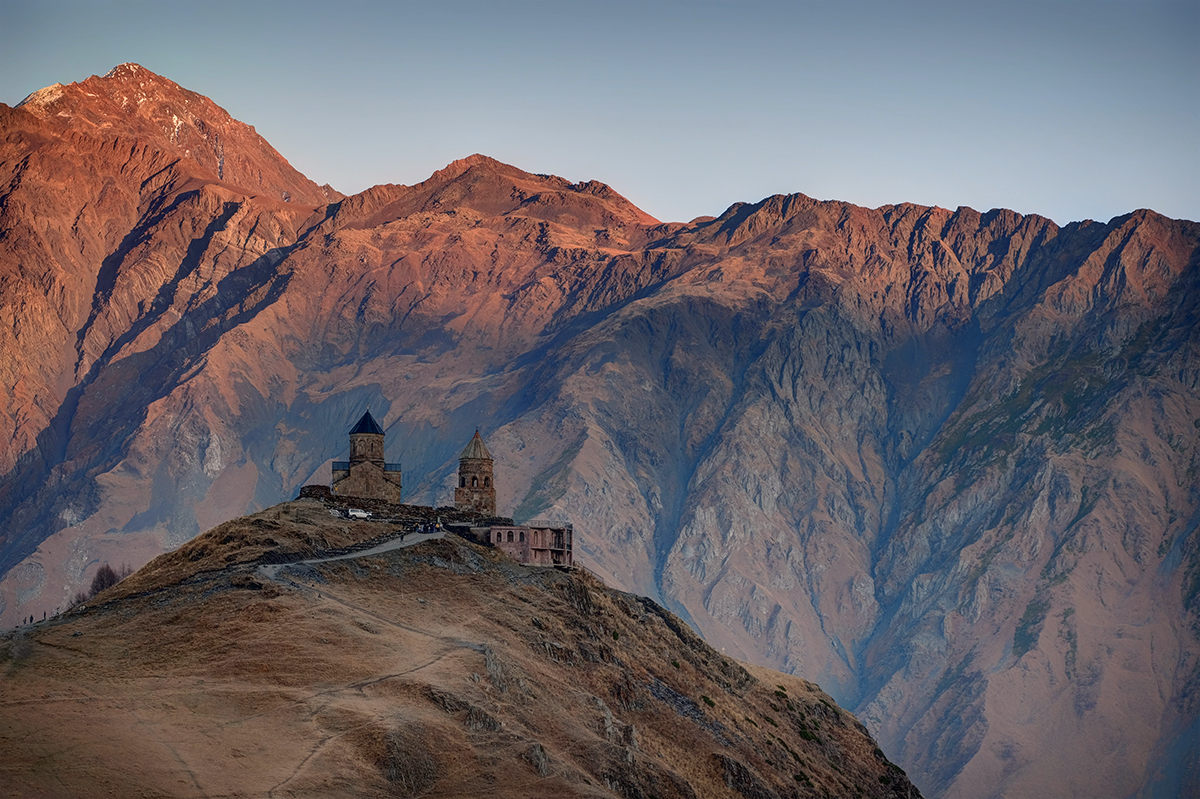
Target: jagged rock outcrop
[(943, 462)]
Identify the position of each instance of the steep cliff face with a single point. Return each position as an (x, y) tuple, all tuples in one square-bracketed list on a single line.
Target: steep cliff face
[(968, 513), (943, 462), (113, 190)]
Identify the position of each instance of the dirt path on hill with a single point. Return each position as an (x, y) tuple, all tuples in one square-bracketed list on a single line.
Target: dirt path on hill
[(271, 570)]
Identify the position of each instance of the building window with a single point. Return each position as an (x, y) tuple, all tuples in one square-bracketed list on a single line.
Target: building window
[(522, 536), (510, 535), (498, 534), (487, 482), (474, 482), (462, 482)]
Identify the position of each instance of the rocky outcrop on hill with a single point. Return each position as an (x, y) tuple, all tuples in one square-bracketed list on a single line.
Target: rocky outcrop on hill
[(246, 664), (943, 462)]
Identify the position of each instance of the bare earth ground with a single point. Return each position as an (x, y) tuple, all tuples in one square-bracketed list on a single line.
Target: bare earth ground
[(437, 669)]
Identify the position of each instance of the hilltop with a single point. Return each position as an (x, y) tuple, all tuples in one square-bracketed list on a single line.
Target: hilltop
[(941, 461), (244, 665)]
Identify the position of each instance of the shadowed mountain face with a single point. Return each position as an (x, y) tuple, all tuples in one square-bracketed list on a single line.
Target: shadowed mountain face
[(943, 462)]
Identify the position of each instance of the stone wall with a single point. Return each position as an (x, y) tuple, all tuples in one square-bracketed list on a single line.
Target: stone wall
[(367, 479)]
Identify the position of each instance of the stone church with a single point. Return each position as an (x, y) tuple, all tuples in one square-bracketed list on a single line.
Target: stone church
[(367, 474)]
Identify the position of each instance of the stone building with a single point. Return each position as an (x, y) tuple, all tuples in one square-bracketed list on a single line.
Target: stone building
[(367, 474), (540, 543), (476, 492)]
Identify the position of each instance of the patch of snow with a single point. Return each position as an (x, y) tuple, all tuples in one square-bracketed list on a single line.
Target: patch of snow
[(43, 97), (128, 66), (213, 462)]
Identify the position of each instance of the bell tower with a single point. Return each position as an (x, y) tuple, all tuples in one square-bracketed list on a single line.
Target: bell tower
[(475, 492)]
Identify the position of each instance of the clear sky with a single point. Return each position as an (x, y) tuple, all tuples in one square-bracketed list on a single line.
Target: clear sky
[(1070, 109)]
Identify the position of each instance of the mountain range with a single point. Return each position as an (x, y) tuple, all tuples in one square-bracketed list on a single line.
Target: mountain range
[(943, 463)]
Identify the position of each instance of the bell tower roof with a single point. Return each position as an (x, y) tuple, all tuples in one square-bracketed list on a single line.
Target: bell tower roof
[(367, 424), (476, 449)]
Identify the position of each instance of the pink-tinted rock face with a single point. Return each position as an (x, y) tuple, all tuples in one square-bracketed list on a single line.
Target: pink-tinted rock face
[(943, 462)]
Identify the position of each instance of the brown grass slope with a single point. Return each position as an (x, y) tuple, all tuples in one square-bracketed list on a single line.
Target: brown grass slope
[(441, 669)]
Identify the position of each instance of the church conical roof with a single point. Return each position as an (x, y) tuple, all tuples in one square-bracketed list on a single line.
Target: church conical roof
[(367, 424), (476, 449)]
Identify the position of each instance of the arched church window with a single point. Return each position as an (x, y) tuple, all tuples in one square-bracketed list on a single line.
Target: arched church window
[(474, 482), (522, 536), (510, 535), (487, 482)]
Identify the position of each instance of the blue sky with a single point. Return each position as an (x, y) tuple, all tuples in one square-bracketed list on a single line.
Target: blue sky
[(1069, 109)]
